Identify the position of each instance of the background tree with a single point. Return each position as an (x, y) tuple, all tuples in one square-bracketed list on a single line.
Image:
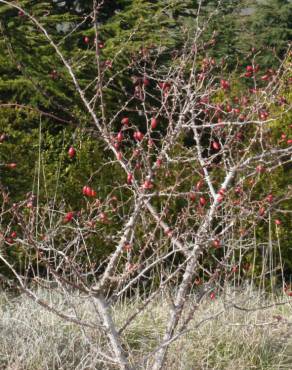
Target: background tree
[(268, 30)]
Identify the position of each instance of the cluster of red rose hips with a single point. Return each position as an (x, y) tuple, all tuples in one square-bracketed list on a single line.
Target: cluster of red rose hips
[(88, 191), (11, 238)]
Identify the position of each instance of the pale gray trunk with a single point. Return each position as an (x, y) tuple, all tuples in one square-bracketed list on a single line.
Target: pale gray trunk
[(112, 333)]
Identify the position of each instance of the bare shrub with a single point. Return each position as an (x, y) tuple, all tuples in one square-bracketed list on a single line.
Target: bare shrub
[(190, 207)]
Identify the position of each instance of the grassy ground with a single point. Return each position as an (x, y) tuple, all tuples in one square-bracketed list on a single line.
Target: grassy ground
[(32, 338)]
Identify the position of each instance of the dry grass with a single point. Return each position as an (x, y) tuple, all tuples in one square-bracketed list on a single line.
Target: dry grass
[(32, 338)]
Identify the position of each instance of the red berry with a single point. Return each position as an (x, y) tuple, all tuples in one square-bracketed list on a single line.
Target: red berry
[(164, 86), (154, 123), (278, 222), (150, 143), (238, 190), (192, 196), (103, 217), (263, 115), (199, 185), (13, 234), (129, 178), (114, 198), (262, 211), (108, 63), (147, 184), (120, 137), (198, 281), (168, 233), (234, 268), (216, 243), (289, 141), (282, 100), (220, 199), (69, 216), (260, 169), (54, 74), (239, 136), (270, 198), (11, 165), (3, 137), (125, 121), (92, 193), (225, 84), (158, 162), (204, 100), (256, 68), (212, 295), (228, 108), (138, 136), (202, 201), (249, 68), (127, 247), (215, 145), (71, 152), (86, 39), (221, 192), (146, 82), (87, 191)]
